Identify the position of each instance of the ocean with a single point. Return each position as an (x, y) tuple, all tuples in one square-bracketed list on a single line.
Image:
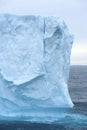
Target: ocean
[(76, 119)]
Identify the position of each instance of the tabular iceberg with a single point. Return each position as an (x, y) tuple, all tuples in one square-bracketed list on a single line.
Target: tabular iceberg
[(34, 64)]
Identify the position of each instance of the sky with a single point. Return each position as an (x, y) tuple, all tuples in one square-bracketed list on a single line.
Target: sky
[(73, 12)]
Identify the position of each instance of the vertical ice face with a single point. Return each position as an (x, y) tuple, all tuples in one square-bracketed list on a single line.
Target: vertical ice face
[(34, 63)]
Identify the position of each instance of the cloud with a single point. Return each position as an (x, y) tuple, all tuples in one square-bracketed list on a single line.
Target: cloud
[(79, 53), (38, 6)]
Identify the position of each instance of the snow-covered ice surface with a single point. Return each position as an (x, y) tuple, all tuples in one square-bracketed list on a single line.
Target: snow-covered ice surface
[(34, 65)]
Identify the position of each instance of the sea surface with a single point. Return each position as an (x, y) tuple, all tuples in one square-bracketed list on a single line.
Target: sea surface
[(75, 119)]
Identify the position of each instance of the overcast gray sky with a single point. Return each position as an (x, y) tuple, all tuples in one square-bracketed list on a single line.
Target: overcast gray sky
[(73, 12)]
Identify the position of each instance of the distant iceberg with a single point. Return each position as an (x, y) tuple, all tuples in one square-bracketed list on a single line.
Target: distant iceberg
[(34, 64)]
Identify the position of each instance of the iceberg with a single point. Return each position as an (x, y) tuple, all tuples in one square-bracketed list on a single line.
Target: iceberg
[(34, 65)]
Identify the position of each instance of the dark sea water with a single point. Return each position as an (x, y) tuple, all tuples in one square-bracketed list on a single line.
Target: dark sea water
[(75, 119)]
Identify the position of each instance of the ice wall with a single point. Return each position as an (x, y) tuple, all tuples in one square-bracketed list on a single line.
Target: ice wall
[(34, 63)]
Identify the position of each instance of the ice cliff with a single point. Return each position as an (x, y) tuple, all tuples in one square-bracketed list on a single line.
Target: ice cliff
[(34, 64)]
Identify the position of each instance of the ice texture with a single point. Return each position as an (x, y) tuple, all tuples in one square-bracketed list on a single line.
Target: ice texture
[(34, 64)]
